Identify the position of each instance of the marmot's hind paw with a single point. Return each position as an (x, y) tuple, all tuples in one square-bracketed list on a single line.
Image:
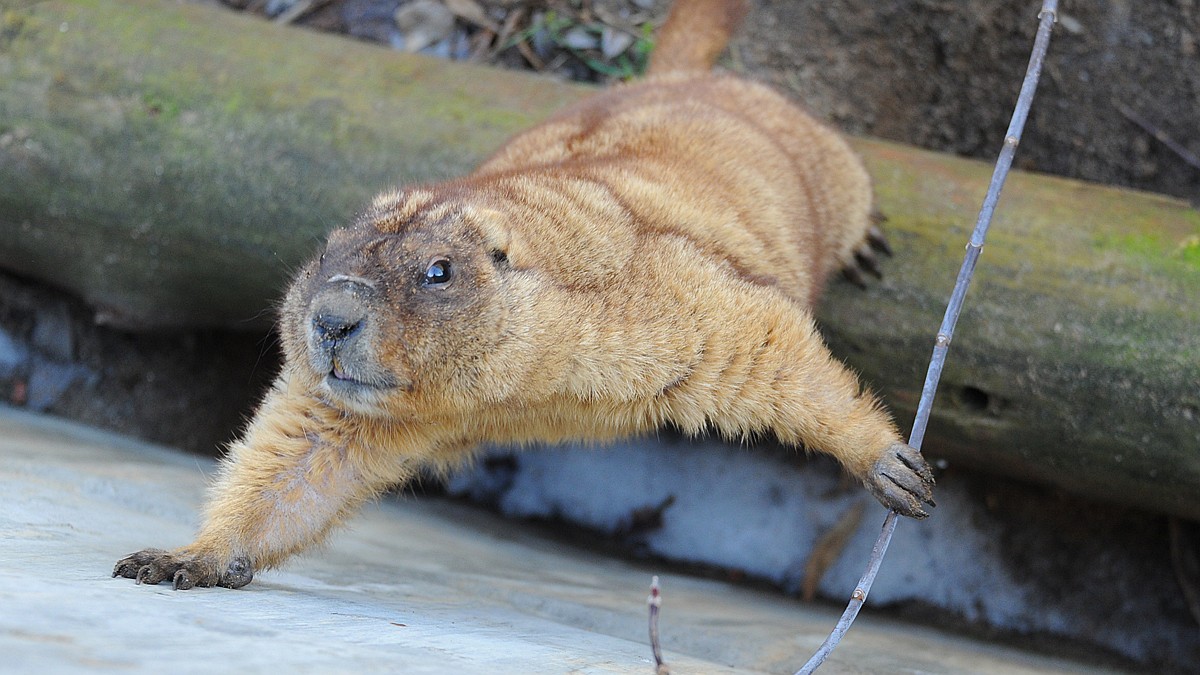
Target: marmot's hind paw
[(153, 566), (902, 480)]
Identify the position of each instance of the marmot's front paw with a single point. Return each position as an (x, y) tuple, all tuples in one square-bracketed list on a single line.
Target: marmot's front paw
[(153, 565), (902, 480)]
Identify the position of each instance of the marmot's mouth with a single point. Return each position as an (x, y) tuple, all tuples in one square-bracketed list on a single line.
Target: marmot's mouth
[(338, 373), (339, 379)]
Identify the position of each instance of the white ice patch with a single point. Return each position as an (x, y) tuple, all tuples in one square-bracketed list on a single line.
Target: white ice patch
[(739, 509)]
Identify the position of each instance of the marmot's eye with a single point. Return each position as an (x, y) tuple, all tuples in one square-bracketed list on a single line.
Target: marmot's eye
[(438, 274)]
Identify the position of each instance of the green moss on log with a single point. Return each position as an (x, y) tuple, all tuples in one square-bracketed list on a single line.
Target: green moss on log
[(1077, 358)]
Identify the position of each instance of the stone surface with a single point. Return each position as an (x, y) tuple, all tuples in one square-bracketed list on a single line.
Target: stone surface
[(994, 556), (417, 586)]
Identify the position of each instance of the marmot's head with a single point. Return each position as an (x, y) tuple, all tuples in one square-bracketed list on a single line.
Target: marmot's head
[(405, 303)]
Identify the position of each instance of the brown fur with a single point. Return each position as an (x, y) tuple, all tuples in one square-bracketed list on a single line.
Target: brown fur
[(647, 257)]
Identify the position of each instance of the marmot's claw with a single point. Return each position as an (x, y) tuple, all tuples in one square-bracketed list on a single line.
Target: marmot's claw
[(877, 241), (153, 566), (854, 276), (142, 566), (902, 480), (866, 259)]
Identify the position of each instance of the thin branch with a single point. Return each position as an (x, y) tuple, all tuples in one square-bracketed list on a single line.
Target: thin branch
[(1162, 137), (828, 548), (1047, 16), (655, 602)]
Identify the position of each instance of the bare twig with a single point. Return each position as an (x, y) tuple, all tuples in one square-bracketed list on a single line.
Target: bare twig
[(1047, 16), (298, 10), (506, 30), (532, 58), (471, 12), (828, 548), (655, 602), (1162, 137)]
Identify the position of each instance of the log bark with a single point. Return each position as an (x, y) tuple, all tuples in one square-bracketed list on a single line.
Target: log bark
[(170, 163)]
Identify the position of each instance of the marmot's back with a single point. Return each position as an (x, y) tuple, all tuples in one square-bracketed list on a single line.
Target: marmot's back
[(729, 164)]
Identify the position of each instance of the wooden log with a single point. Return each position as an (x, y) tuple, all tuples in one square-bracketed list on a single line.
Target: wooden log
[(170, 163), (1076, 361)]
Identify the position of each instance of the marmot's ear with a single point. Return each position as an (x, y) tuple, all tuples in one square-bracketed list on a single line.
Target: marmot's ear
[(504, 247)]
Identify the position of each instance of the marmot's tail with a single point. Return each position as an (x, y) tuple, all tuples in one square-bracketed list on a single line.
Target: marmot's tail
[(695, 34)]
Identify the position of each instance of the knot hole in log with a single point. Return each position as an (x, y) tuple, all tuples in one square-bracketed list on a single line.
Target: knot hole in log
[(974, 399)]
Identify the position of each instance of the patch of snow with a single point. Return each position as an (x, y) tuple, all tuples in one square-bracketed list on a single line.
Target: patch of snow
[(12, 354), (740, 509)]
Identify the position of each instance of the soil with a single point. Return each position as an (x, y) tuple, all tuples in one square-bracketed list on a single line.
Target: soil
[(945, 76)]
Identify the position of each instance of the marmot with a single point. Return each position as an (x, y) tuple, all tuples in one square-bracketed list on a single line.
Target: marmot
[(648, 257)]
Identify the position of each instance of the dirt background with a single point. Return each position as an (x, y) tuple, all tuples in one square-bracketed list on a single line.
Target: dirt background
[(944, 75)]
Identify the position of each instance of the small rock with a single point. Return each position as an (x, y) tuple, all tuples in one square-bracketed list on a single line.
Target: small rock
[(580, 38), (12, 354), (613, 42), (473, 12), (423, 23), (1187, 42), (277, 7), (52, 333), (1070, 24), (50, 380), (540, 40), (368, 20)]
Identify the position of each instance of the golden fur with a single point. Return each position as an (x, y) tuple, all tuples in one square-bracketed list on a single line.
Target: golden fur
[(647, 257)]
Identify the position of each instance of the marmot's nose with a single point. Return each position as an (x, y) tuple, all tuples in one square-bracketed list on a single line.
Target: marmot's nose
[(333, 329)]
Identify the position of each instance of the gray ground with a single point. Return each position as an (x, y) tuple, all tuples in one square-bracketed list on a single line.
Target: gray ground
[(437, 588)]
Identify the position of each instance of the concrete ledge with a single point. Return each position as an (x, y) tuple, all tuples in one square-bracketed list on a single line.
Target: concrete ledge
[(435, 588)]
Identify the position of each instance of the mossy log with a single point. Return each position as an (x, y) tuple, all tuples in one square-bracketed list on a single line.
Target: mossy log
[(170, 163)]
